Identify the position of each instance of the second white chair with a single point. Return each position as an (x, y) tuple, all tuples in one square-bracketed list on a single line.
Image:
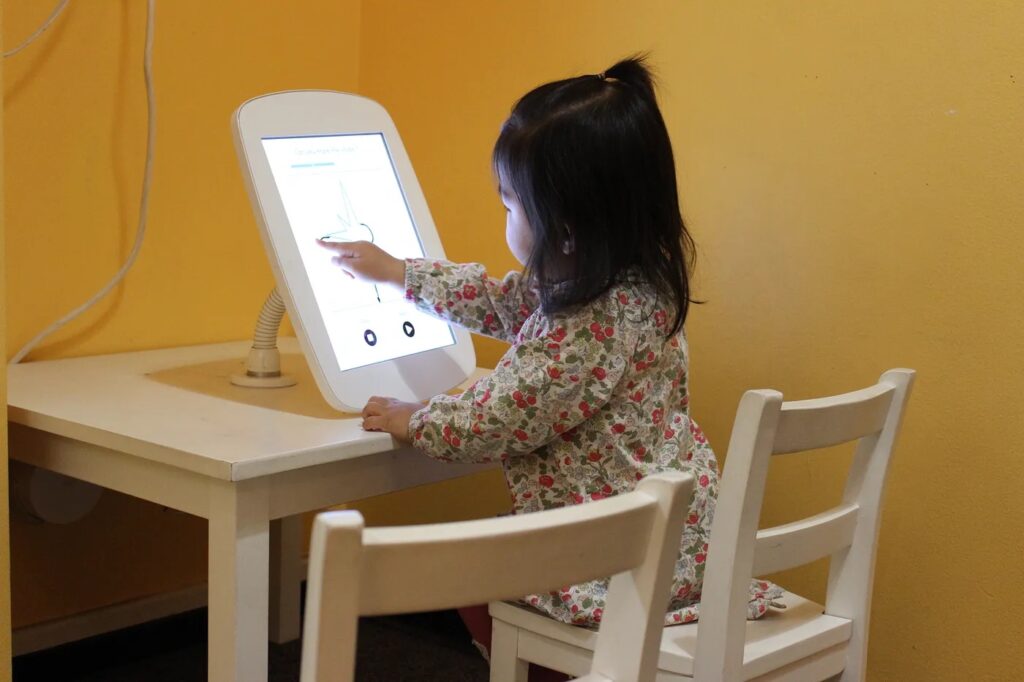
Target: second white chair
[(377, 571), (806, 641)]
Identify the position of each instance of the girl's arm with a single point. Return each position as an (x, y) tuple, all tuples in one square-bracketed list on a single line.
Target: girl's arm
[(465, 295), (540, 391)]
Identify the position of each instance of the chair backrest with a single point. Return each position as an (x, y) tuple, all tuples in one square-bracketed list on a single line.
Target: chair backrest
[(766, 426), (633, 537)]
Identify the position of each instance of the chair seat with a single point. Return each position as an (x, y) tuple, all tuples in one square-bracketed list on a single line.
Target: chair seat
[(777, 639)]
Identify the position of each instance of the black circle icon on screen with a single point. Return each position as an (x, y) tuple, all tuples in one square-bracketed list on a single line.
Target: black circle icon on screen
[(409, 330), (370, 337)]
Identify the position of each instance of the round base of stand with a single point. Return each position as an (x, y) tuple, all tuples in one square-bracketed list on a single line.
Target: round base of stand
[(282, 381)]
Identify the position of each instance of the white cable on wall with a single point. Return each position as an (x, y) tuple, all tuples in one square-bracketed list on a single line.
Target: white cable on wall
[(39, 31), (146, 181)]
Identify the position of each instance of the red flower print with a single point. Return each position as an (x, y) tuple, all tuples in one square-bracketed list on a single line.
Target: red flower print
[(469, 292), (595, 327), (607, 489), (567, 461), (546, 481), (527, 495), (608, 331), (575, 608), (698, 435), (618, 428), (641, 366), (531, 399), (577, 498), (599, 373), (659, 318), (558, 428), (669, 434), (596, 496), (692, 519), (597, 614), (520, 434), (676, 617), (657, 415), (554, 372), (409, 295), (700, 558), (594, 456), (704, 480)]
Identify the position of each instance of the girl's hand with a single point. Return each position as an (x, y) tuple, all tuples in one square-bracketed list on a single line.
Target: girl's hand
[(366, 262), (390, 415)]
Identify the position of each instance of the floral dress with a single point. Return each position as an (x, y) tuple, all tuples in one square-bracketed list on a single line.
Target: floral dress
[(582, 406)]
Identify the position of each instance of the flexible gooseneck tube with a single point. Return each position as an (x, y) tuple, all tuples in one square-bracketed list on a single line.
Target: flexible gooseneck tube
[(263, 365)]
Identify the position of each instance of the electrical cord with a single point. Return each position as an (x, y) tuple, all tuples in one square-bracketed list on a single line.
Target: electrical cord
[(39, 31), (147, 177)]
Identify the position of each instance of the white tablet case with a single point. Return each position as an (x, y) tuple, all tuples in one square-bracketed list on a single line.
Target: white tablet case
[(315, 113)]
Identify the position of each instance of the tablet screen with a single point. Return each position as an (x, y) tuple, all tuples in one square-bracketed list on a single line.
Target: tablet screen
[(344, 188)]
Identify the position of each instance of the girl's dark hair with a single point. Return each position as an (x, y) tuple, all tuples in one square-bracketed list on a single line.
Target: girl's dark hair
[(590, 160)]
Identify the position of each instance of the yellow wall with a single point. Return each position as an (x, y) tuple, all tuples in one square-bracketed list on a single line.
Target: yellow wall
[(74, 107), (5, 547), (851, 172)]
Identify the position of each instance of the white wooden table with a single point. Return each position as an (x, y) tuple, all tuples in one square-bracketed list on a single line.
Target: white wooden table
[(168, 427)]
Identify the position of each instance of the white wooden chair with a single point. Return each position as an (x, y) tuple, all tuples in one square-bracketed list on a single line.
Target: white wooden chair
[(376, 571), (805, 641)]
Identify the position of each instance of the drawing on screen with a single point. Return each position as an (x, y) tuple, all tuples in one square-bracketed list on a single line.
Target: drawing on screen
[(351, 229)]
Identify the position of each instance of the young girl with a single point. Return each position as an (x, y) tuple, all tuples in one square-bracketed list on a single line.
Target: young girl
[(592, 395)]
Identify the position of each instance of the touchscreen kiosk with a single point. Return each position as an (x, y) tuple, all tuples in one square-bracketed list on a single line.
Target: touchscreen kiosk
[(329, 165)]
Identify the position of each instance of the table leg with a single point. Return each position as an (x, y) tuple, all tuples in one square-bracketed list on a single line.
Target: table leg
[(286, 577), (239, 564)]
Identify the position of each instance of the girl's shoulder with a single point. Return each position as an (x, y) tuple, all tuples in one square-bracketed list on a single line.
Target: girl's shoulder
[(631, 306)]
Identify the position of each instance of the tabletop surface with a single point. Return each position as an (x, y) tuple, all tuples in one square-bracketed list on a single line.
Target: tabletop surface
[(177, 406)]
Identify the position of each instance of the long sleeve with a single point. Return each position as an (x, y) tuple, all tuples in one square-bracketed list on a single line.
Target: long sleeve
[(465, 295), (541, 390)]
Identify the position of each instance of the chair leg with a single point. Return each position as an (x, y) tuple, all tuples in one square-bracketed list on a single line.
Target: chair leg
[(506, 666)]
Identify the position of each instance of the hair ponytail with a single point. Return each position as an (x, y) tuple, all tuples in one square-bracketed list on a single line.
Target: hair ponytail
[(634, 72)]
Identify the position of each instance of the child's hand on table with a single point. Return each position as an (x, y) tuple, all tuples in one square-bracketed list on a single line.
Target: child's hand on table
[(390, 415)]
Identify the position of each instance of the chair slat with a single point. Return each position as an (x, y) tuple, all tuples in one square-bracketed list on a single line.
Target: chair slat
[(448, 556), (803, 541), (824, 422)]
